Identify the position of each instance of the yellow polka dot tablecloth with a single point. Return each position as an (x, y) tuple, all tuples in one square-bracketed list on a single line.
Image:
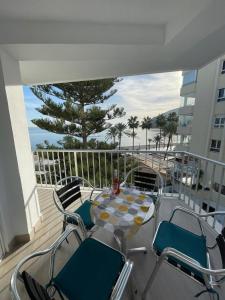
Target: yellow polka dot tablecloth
[(126, 211)]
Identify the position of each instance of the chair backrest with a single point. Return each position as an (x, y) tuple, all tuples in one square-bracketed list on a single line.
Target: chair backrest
[(69, 193), (221, 245), (146, 180), (33, 288)]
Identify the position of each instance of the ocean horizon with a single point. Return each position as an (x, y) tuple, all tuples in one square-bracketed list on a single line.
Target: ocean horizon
[(38, 136)]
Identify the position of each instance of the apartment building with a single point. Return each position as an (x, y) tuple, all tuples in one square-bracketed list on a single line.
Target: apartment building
[(186, 110), (208, 134), (202, 121)]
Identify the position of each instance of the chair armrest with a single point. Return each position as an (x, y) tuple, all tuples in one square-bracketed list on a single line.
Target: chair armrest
[(189, 212), (69, 229), (122, 281), (171, 252), (16, 274), (215, 213)]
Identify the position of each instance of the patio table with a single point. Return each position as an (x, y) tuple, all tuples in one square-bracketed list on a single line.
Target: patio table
[(123, 214)]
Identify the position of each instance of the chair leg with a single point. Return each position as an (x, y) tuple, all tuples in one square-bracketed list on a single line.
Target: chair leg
[(151, 279), (63, 229)]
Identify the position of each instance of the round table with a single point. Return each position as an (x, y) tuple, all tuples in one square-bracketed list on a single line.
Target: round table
[(123, 214)]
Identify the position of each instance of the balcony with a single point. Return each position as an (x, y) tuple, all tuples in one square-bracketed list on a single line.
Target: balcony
[(184, 129), (186, 110), (188, 181)]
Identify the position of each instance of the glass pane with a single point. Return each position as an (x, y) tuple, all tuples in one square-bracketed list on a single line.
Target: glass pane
[(223, 67), (221, 93), (213, 143)]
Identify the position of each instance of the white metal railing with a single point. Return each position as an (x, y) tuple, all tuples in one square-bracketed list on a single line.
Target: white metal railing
[(196, 180)]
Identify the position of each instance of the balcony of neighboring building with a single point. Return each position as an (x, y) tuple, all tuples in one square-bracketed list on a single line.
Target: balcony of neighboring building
[(189, 82), (185, 125), (184, 129), (187, 104), (186, 110)]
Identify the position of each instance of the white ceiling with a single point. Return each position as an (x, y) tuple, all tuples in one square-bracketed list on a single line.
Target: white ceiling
[(84, 39), (100, 11)]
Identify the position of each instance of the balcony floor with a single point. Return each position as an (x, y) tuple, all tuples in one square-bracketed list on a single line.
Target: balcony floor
[(169, 283)]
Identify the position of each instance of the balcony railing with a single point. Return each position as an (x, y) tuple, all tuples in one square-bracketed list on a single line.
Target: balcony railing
[(197, 181)]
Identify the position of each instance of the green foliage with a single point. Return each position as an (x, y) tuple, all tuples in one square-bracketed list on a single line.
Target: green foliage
[(97, 168), (146, 124), (160, 121), (73, 108), (112, 134), (171, 127), (133, 123), (120, 128), (157, 140), (69, 142), (46, 145)]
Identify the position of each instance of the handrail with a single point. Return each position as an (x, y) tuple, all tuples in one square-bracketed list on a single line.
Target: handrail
[(180, 170)]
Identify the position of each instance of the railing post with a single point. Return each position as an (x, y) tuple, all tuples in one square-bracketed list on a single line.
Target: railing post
[(181, 175)]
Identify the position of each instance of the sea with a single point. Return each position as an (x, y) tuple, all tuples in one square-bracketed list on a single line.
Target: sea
[(38, 136)]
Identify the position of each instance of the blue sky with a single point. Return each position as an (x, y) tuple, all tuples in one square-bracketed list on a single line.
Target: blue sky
[(143, 95)]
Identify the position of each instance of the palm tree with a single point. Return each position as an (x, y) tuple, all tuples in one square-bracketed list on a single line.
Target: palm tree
[(160, 123), (149, 142), (171, 128), (146, 124), (112, 134), (133, 135), (164, 135), (133, 123), (120, 128), (157, 139)]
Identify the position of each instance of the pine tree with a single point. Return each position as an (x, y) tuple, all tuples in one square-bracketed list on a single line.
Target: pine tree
[(73, 108)]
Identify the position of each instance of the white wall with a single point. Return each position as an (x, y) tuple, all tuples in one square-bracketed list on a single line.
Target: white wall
[(204, 108), (18, 199)]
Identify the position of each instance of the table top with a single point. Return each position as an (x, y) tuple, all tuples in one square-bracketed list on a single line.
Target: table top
[(125, 211)]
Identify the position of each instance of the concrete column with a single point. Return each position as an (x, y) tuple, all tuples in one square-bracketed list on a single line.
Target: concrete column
[(19, 205)]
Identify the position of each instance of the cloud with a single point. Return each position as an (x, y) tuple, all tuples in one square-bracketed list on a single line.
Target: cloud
[(149, 95), (143, 95)]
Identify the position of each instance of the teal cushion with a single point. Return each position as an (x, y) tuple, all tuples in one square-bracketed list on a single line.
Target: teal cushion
[(84, 212), (91, 272), (190, 244)]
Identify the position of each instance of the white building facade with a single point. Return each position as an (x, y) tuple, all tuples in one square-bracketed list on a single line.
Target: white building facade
[(202, 119)]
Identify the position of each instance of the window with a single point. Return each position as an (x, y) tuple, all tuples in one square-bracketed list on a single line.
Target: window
[(206, 207), (223, 68), (221, 95), (189, 77), (219, 122), (215, 145), (216, 187)]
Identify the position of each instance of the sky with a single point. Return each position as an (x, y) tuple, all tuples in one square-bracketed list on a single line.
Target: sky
[(142, 95)]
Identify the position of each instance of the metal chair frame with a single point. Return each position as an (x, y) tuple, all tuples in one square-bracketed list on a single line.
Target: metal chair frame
[(158, 184), (209, 274), (117, 291), (66, 213)]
